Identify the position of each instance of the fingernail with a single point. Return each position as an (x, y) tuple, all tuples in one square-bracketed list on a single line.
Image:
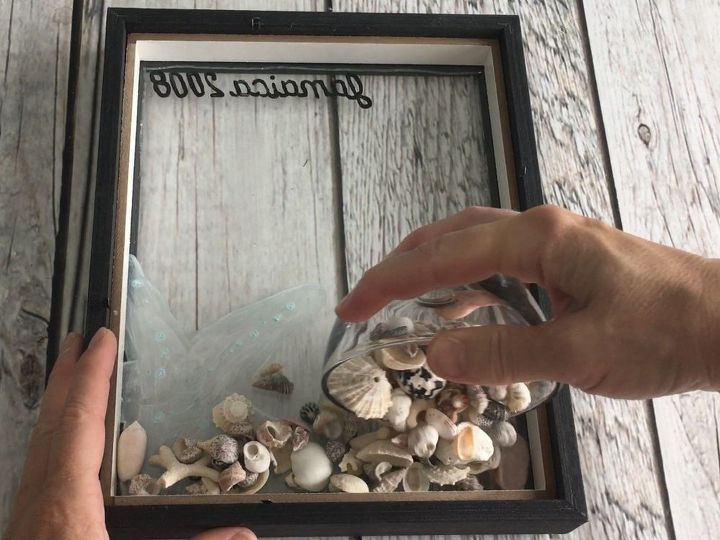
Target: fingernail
[(344, 301), (244, 534), (446, 357), (98, 337)]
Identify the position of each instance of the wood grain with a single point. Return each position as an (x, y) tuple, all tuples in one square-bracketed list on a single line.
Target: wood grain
[(34, 51), (615, 439), (656, 68)]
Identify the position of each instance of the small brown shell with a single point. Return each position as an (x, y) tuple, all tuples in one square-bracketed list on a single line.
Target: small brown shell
[(335, 450), (309, 412), (187, 451), (244, 430), (496, 411), (274, 434), (277, 382), (142, 484), (221, 449), (250, 479), (300, 438), (231, 476)]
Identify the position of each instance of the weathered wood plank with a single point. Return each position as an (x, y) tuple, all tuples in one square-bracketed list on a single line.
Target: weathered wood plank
[(34, 49), (615, 442), (656, 68)]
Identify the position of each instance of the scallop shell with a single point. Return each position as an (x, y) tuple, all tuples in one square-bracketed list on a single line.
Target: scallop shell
[(518, 397), (311, 468), (221, 448), (262, 479), (309, 411), (375, 471), (328, 424), (361, 441), (361, 386), (350, 464), (445, 427), (400, 358), (383, 450), (423, 440), (132, 445), (256, 457), (274, 434), (399, 410), (416, 479), (417, 411), (187, 451), (390, 481), (231, 476), (445, 475), (347, 483), (503, 433), (234, 409)]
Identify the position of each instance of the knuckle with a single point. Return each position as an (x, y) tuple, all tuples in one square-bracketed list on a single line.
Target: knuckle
[(551, 220), (498, 361)]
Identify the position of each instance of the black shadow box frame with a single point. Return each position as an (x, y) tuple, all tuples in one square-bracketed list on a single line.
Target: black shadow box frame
[(556, 510)]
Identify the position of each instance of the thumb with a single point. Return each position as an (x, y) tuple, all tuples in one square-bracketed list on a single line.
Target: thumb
[(498, 354), (227, 533)]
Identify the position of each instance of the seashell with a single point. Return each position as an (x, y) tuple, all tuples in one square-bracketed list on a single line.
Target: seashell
[(347, 483), (480, 404), (420, 383), (479, 420), (399, 410), (176, 471), (328, 424), (131, 448), (503, 433), (445, 475), (383, 450), (221, 448), (300, 437), (361, 386), (241, 430), (400, 358), (497, 391), (470, 444), (518, 397), (142, 484), (497, 412), (309, 411), (281, 458), (272, 378), (471, 483), (350, 428), (390, 481), (231, 476), (187, 451), (350, 464), (423, 440), (260, 482), (234, 409), (311, 468), (451, 402), (401, 440), (335, 450), (375, 471), (250, 479), (482, 466), (204, 486), (392, 328), (415, 479), (362, 441), (274, 434), (256, 457), (445, 427), (417, 412)]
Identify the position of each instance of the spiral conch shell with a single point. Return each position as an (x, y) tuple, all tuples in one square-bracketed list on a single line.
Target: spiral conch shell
[(361, 386), (234, 409), (423, 440)]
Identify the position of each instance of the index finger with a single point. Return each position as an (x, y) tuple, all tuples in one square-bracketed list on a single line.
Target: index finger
[(79, 441), (515, 245)]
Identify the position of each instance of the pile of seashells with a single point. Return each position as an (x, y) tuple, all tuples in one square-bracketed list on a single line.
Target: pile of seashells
[(393, 425)]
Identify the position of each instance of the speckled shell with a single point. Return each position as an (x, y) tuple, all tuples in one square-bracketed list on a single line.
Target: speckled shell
[(311, 468), (187, 451), (274, 434), (361, 386), (335, 450), (518, 397), (234, 409), (390, 481), (399, 410), (503, 433), (244, 430), (250, 479), (417, 411), (142, 484), (256, 457), (445, 427), (222, 449), (416, 479), (309, 411), (348, 483), (423, 440), (496, 411), (231, 476), (420, 383), (478, 419), (350, 464), (383, 450), (132, 445), (445, 475), (399, 358)]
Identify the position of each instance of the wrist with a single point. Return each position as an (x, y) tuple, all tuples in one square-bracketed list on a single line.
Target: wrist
[(710, 330)]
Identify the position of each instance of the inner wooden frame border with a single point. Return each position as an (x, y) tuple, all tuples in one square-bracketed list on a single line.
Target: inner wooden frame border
[(538, 427)]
